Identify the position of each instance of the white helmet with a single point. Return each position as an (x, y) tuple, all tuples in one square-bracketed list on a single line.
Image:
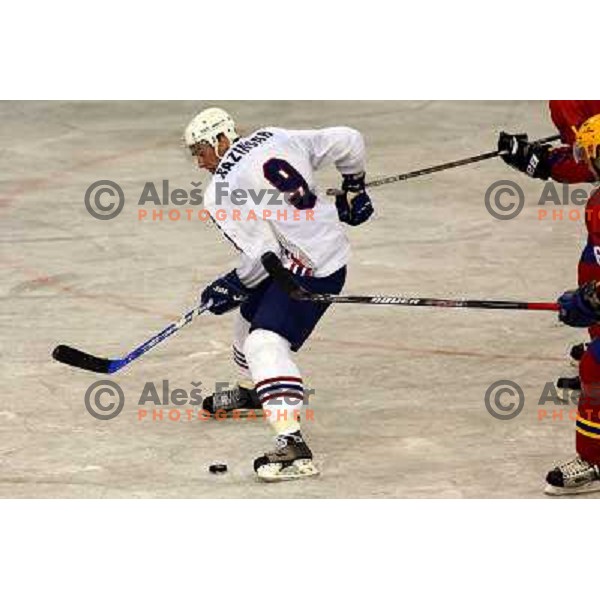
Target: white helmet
[(206, 127)]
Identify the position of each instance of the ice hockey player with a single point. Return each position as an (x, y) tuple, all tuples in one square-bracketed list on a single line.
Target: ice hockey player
[(559, 163), (581, 308), (304, 230)]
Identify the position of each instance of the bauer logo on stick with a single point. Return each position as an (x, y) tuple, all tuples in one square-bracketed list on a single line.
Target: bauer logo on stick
[(394, 300)]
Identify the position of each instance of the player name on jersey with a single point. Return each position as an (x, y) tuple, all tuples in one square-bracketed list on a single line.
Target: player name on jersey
[(239, 150)]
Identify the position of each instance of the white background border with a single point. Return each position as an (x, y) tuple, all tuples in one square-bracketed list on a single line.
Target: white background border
[(314, 49), (294, 549)]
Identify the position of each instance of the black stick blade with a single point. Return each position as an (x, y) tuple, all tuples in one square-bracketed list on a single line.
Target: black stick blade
[(82, 360)]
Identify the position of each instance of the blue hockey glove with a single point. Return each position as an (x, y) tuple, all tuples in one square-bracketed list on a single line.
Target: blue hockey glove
[(225, 293), (354, 205), (581, 307)]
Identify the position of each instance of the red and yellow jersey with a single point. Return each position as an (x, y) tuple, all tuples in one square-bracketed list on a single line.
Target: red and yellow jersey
[(567, 116)]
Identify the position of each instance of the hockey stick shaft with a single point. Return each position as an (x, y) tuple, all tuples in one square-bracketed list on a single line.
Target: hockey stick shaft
[(286, 281), (429, 302), (167, 332), (77, 358), (443, 167)]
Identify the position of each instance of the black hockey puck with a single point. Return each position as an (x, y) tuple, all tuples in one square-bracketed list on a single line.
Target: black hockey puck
[(218, 468)]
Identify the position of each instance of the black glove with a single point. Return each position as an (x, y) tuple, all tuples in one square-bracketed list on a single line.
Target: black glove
[(225, 293), (529, 158), (581, 307), (354, 205)]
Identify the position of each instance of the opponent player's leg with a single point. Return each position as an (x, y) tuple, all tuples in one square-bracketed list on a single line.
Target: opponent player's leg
[(582, 473), (279, 328)]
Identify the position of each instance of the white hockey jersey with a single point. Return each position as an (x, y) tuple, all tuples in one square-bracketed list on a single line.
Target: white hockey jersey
[(263, 197)]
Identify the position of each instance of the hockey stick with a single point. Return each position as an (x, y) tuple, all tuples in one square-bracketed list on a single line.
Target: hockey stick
[(76, 358), (286, 281), (436, 169)]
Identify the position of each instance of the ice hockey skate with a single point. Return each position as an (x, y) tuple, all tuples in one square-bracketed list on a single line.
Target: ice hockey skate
[(575, 476), (242, 399), (292, 459)]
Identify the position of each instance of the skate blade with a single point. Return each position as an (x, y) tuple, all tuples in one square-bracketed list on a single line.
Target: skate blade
[(586, 488), (300, 469)]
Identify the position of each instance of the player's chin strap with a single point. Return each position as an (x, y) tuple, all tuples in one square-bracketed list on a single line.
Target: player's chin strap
[(290, 286)]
